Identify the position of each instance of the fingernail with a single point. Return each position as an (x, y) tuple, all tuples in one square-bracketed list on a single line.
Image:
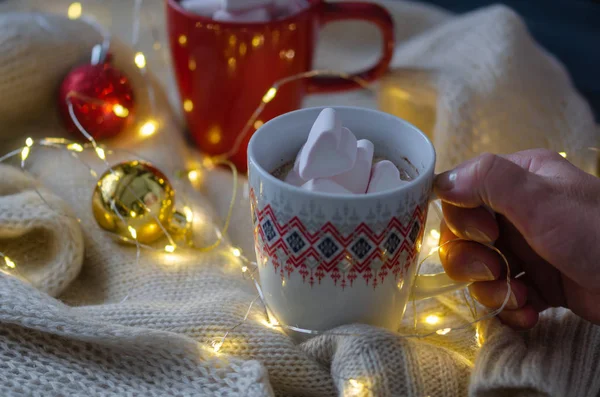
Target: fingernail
[(478, 271), (445, 181), (477, 235)]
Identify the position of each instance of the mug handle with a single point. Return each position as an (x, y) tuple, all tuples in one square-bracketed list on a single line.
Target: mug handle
[(429, 285), (373, 13)]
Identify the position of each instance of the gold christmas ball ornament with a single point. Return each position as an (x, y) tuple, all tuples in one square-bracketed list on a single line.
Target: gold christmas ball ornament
[(136, 201)]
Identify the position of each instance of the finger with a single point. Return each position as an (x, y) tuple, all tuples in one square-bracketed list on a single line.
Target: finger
[(582, 302), (522, 319), (542, 208), (468, 261), (536, 207), (445, 233), (493, 293), (475, 224), (494, 181), (505, 187), (515, 266), (540, 273), (535, 299)]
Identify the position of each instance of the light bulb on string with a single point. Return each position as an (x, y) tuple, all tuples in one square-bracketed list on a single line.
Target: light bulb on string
[(355, 388), (270, 323), (9, 262), (120, 111), (140, 60), (216, 346), (432, 319), (189, 215), (74, 11), (75, 147), (208, 163), (25, 153), (193, 175), (132, 231), (478, 337), (268, 97), (101, 153), (148, 128)]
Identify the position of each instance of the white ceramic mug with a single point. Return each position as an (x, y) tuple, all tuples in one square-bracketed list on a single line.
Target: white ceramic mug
[(326, 260)]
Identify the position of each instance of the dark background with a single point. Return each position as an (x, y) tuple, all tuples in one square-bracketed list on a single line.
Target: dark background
[(569, 29)]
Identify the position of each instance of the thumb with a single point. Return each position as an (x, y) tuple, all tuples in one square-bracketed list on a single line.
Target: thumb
[(500, 184), (556, 215)]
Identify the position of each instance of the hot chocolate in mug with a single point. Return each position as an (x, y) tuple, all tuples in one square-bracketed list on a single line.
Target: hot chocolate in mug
[(328, 259)]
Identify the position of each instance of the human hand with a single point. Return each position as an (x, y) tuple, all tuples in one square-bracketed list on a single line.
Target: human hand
[(547, 224)]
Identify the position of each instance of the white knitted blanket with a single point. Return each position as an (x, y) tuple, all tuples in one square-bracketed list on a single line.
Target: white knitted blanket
[(94, 321)]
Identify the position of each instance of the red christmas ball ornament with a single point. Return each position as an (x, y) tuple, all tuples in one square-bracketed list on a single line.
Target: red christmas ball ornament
[(101, 97)]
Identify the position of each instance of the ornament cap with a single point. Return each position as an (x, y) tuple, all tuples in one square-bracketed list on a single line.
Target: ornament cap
[(179, 225)]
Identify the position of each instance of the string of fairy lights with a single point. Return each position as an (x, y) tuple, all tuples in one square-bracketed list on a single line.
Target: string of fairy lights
[(248, 268)]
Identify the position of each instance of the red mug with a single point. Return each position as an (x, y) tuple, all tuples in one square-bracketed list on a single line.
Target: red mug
[(224, 69)]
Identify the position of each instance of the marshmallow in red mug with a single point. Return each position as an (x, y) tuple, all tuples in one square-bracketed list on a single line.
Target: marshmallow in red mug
[(235, 6), (252, 15), (202, 7), (244, 11)]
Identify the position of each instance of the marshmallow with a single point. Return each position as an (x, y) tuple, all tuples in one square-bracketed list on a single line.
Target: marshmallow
[(384, 176), (236, 6), (202, 7), (324, 185), (289, 7), (329, 150), (357, 179), (257, 15), (295, 7), (293, 177)]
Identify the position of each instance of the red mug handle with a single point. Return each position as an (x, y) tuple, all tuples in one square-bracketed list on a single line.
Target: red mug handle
[(359, 11)]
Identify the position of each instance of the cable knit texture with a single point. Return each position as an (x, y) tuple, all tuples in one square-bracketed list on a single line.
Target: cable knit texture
[(93, 321), (498, 90), (27, 221)]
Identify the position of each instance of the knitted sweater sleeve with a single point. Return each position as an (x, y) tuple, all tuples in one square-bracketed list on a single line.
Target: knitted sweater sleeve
[(559, 357)]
